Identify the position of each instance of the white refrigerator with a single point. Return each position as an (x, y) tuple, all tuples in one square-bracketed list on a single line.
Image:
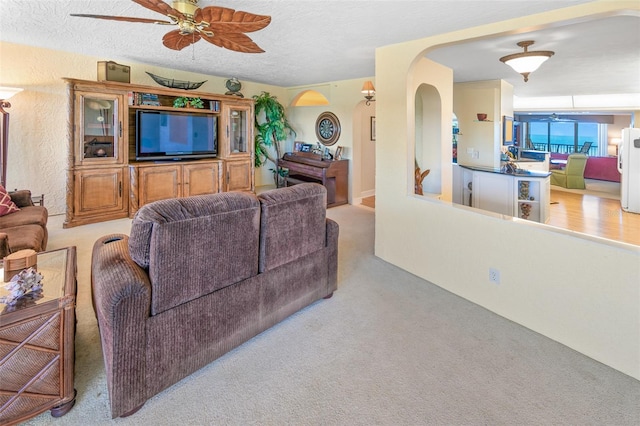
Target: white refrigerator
[(629, 168)]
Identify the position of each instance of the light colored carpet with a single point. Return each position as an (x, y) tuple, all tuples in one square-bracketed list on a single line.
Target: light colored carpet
[(387, 349)]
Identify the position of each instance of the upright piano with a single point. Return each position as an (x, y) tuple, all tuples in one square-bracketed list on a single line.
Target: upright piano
[(333, 174)]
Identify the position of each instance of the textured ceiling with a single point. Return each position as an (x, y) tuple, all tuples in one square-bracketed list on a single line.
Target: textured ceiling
[(311, 42)]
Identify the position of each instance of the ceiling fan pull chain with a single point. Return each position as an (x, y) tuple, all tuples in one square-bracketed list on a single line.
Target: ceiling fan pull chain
[(193, 47)]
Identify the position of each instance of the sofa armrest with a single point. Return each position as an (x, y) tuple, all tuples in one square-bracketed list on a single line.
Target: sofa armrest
[(332, 263), (121, 295), (21, 198), (4, 245)]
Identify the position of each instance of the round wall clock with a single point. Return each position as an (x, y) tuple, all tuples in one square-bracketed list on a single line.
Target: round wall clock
[(327, 128)]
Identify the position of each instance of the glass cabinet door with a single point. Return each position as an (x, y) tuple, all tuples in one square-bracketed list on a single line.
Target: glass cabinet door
[(100, 132), (238, 130)]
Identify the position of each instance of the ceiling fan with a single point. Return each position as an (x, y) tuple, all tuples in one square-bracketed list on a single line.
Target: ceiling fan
[(221, 26), (553, 118), (558, 118)]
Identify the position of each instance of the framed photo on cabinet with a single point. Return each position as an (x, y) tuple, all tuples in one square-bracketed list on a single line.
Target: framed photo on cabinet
[(338, 155)]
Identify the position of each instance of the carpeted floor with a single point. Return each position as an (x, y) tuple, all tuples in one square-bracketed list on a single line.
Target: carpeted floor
[(387, 349)]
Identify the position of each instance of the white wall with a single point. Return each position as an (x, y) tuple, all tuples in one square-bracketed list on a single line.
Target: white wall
[(367, 150), (581, 291), (484, 139), (38, 131)]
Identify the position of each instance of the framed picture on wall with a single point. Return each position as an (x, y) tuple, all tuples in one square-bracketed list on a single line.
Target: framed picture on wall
[(507, 130), (373, 128)]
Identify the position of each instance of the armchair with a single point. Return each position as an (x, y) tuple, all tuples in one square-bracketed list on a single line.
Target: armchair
[(572, 176)]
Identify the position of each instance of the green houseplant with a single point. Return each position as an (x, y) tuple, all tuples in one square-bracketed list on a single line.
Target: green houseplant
[(186, 102), (272, 128)]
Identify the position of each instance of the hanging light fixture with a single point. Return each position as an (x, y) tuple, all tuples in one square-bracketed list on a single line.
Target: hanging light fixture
[(369, 92), (526, 62)]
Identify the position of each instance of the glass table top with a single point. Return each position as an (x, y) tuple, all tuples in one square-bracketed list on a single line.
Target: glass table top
[(53, 266)]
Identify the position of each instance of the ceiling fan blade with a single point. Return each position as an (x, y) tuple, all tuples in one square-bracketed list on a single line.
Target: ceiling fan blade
[(121, 18), (177, 41), (234, 41), (160, 7), (222, 19)]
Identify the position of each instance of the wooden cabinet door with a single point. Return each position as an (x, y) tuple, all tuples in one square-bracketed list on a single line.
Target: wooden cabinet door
[(238, 176), (200, 179), (99, 192), (99, 129), (237, 130), (159, 183)]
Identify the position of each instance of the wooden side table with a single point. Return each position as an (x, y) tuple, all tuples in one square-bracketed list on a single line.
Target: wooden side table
[(37, 344)]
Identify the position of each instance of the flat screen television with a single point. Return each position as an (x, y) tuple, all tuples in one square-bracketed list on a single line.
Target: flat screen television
[(175, 135)]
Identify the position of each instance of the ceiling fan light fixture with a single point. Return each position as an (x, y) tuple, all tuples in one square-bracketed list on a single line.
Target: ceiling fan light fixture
[(186, 7), (526, 62)]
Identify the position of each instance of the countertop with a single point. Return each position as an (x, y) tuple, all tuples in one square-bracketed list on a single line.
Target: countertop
[(520, 173)]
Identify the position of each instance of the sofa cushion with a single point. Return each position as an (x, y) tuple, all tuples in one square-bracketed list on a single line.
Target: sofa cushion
[(196, 245), (22, 198), (25, 237), (292, 223), (32, 215), (6, 204)]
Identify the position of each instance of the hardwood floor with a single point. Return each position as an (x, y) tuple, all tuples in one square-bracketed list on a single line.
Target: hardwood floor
[(589, 214), (369, 201), (594, 215)]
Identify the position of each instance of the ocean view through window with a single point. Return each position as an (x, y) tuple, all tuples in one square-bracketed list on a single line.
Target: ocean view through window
[(563, 137)]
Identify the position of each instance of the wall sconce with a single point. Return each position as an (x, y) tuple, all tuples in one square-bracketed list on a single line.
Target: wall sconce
[(369, 92), (5, 94), (526, 62)]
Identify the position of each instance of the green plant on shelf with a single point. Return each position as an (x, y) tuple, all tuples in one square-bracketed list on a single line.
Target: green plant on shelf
[(186, 102)]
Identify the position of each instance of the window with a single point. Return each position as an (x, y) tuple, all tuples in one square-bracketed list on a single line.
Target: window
[(562, 137)]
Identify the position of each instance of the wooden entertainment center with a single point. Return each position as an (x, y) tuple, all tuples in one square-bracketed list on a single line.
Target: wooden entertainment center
[(104, 180)]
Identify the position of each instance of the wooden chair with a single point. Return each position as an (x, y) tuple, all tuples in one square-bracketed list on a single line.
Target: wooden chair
[(571, 176)]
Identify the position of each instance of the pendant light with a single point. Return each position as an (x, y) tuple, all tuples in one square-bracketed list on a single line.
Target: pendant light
[(526, 62)]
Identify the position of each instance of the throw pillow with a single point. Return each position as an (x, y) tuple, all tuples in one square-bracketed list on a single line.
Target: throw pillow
[(6, 205)]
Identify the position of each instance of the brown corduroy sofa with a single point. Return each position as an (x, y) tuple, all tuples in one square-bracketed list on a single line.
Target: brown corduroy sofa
[(24, 229), (199, 276)]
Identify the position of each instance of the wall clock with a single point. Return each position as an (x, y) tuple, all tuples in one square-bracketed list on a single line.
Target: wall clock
[(328, 128)]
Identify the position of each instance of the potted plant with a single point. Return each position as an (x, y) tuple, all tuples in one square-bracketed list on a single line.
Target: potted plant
[(186, 102), (272, 128)]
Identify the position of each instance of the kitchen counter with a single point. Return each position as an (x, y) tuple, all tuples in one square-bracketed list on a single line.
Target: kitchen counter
[(521, 172), (524, 194)]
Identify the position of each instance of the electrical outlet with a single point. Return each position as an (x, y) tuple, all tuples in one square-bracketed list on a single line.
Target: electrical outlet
[(494, 275)]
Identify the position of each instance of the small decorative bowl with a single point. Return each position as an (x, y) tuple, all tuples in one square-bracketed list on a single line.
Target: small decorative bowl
[(481, 116)]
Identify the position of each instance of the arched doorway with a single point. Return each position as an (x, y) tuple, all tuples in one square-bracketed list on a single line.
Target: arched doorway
[(428, 137)]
